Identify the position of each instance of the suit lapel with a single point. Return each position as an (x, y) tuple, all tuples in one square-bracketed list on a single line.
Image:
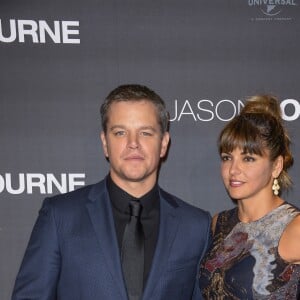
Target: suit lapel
[(101, 216), (167, 231)]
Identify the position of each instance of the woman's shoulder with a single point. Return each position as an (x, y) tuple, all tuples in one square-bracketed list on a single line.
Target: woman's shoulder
[(223, 218), (289, 244)]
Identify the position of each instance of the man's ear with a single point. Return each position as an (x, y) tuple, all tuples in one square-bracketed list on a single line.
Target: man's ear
[(104, 143), (164, 144)]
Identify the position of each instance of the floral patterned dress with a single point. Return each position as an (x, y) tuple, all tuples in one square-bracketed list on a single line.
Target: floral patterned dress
[(244, 263)]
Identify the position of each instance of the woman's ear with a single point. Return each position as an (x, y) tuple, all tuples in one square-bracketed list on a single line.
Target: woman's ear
[(277, 166)]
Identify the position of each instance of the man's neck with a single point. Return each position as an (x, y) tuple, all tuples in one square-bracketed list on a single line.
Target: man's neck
[(133, 188)]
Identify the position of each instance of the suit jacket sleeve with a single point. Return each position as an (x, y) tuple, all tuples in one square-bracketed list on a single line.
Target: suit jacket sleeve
[(197, 292), (39, 271)]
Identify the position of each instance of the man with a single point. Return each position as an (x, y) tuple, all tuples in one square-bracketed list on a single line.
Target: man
[(122, 238)]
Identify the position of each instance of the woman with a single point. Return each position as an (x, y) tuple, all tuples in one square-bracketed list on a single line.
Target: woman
[(255, 253)]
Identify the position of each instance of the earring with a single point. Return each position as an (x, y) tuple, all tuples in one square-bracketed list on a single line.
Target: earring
[(275, 187)]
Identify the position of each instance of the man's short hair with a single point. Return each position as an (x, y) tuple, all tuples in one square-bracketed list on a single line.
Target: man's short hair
[(135, 92)]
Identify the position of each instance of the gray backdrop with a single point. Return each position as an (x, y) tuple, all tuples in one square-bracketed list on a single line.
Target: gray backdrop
[(59, 59)]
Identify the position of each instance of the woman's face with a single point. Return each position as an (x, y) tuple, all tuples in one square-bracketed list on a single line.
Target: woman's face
[(247, 176)]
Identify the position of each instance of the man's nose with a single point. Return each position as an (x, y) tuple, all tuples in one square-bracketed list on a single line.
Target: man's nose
[(133, 141)]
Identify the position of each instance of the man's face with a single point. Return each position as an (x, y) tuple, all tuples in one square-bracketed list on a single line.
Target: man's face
[(133, 143)]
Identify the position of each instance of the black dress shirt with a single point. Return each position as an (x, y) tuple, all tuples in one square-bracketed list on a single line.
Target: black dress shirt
[(149, 218)]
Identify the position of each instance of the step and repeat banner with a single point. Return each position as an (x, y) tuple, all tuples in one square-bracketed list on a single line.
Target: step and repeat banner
[(59, 59)]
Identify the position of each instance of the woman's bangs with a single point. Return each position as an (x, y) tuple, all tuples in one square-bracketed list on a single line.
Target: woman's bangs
[(240, 136)]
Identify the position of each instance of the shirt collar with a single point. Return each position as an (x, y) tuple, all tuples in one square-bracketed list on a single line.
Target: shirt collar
[(120, 199)]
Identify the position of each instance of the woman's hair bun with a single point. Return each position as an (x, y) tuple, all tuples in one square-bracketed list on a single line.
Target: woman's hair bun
[(265, 104)]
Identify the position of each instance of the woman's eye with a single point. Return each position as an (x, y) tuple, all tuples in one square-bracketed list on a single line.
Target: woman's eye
[(249, 158), (225, 157)]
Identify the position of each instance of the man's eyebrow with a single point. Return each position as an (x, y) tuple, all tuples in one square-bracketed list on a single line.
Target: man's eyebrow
[(147, 128), (116, 126), (139, 128)]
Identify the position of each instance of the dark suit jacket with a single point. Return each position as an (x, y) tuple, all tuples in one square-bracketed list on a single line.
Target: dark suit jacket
[(73, 251)]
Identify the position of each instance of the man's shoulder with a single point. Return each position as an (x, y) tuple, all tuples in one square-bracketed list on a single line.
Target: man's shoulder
[(78, 196), (184, 207)]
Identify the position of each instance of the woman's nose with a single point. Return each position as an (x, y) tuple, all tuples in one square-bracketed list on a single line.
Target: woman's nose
[(234, 167)]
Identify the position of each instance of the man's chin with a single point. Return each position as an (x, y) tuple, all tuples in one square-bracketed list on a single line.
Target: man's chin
[(135, 176)]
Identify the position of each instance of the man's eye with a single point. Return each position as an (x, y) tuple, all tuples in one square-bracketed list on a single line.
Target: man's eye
[(146, 133), (119, 133)]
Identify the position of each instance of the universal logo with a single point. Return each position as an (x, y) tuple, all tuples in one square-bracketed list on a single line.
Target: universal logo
[(272, 10)]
